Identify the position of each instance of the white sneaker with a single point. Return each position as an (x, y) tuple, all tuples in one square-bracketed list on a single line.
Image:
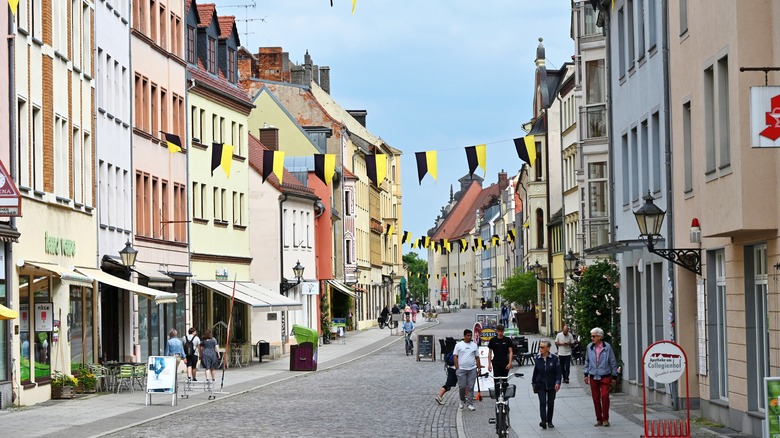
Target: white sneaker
[(460, 405), (439, 400), (471, 407)]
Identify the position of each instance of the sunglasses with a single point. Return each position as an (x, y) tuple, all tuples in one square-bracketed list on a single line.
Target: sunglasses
[(594, 336)]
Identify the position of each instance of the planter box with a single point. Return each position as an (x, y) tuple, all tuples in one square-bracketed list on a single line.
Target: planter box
[(60, 392)]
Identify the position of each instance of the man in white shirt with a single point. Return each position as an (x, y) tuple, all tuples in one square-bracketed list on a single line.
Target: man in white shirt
[(466, 356), (564, 340)]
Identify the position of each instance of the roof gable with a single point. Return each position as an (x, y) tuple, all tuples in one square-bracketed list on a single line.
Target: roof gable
[(290, 184), (460, 219)]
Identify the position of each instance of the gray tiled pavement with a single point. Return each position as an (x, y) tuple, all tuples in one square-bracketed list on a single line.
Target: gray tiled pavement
[(103, 414)]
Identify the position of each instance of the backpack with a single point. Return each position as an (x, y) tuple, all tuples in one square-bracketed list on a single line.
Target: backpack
[(189, 346), (449, 359)]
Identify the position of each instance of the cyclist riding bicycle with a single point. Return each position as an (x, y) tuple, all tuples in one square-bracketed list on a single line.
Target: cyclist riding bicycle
[(408, 328)]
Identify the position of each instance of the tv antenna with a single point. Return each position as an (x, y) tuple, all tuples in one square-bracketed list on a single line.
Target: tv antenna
[(247, 21), (246, 5)]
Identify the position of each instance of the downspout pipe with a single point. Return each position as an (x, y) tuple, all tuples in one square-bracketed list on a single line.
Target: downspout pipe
[(675, 395), (282, 200), (549, 235), (12, 129)]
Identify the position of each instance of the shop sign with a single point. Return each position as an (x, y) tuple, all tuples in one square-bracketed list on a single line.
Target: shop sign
[(664, 362), (10, 198), (765, 117), (59, 245), (24, 317), (44, 317), (310, 288)]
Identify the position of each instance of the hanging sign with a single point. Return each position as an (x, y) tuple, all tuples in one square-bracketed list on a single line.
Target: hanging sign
[(765, 117)]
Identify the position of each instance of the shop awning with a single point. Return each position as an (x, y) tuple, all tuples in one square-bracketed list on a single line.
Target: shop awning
[(156, 278), (343, 288), (67, 276), (6, 313), (159, 297), (252, 294)]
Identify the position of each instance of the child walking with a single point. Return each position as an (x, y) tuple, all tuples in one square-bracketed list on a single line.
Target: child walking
[(452, 379)]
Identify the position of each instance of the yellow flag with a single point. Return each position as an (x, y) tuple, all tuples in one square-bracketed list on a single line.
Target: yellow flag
[(354, 2), (530, 146), (381, 167), (430, 158), (482, 157), (279, 165), (14, 3), (227, 158)]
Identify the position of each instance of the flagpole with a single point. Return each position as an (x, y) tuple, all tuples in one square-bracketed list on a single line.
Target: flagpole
[(227, 341)]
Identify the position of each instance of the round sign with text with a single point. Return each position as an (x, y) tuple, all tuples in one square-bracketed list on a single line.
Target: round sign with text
[(664, 362)]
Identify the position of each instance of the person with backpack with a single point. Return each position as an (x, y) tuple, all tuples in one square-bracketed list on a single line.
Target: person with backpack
[(191, 343), (452, 378)]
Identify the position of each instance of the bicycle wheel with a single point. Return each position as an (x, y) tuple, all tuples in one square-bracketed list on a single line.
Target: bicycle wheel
[(501, 422)]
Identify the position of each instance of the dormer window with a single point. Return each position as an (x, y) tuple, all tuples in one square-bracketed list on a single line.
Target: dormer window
[(231, 66), (190, 44), (212, 56)]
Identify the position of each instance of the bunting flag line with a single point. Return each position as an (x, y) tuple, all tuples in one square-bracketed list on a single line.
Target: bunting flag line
[(174, 142), (13, 4), (478, 243), (273, 162), (464, 245), (426, 164), (406, 237), (415, 243), (325, 167), (511, 234), (476, 156), (526, 149), (495, 240), (427, 276), (426, 242), (376, 168), (388, 229)]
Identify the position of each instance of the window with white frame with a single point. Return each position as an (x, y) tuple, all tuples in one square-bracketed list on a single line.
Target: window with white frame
[(597, 190), (23, 145), (61, 157), (687, 148), (757, 333), (718, 330)]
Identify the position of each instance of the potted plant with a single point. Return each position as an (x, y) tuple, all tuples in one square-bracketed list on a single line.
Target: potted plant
[(86, 380), (62, 385), (325, 322)]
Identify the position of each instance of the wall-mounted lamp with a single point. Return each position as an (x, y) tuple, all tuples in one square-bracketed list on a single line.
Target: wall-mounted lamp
[(285, 285), (649, 218), (128, 255), (538, 271)]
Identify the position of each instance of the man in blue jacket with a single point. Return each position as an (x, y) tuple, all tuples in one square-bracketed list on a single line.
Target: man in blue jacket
[(600, 368), (546, 381)]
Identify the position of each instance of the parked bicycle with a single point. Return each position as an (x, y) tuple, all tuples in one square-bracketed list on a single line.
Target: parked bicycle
[(505, 392)]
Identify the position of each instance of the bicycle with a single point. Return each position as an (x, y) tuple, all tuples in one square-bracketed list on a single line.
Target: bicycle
[(408, 342), (389, 322), (506, 391)]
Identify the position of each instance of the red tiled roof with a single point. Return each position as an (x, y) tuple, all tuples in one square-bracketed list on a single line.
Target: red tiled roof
[(226, 24), (201, 75), (461, 215), (291, 183), (348, 174), (206, 13)]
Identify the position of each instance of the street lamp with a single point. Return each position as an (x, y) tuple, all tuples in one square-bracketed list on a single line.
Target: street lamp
[(649, 218), (298, 271), (538, 271), (128, 255), (570, 263)]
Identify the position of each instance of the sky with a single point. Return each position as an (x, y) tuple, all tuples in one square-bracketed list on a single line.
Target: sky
[(432, 75)]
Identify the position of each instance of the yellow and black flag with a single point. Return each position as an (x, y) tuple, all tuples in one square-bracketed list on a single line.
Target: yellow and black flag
[(416, 243), (273, 162), (511, 235), (174, 142), (478, 243), (464, 244), (388, 229), (13, 4), (376, 168), (476, 156), (526, 149), (221, 155), (407, 237), (437, 276), (495, 240), (463, 274), (428, 276), (454, 275), (426, 242), (325, 167), (426, 163)]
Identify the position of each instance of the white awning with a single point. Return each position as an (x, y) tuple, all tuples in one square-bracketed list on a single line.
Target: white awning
[(252, 294), (159, 297), (67, 276), (343, 288), (156, 278)]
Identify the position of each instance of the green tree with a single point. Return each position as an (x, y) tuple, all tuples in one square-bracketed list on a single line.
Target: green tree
[(416, 287), (597, 301), (519, 288)]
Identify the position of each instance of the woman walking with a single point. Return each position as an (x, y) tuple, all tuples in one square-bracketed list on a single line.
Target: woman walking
[(546, 381), (209, 357)]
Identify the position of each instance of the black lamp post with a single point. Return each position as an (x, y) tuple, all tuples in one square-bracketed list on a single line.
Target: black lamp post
[(649, 218), (538, 271), (128, 255), (298, 271)]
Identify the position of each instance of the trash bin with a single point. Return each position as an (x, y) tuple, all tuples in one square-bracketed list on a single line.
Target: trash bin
[(262, 348), (303, 357)]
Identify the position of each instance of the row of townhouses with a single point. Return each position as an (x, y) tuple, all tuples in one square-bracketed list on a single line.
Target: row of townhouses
[(666, 113), (159, 175)]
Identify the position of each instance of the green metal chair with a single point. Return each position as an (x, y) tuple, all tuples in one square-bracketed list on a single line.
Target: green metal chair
[(125, 378), (139, 375)]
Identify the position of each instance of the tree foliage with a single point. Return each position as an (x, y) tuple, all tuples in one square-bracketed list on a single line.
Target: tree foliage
[(597, 301), (519, 288), (416, 287)]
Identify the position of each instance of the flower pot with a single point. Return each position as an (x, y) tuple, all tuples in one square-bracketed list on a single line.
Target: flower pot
[(60, 392)]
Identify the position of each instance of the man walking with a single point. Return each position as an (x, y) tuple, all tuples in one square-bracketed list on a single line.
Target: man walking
[(564, 340), (600, 368), (500, 353), (466, 356)]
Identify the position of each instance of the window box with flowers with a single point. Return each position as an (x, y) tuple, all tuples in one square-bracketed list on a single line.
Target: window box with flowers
[(62, 386)]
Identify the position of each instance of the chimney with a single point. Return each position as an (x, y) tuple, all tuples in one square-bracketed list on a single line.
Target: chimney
[(269, 136), (270, 59), (359, 115), (325, 78), (503, 182), (285, 67), (307, 77), (296, 75), (315, 74)]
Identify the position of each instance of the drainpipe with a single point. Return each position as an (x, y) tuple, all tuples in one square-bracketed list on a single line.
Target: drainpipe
[(282, 199), (674, 389), (549, 237), (9, 253)]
